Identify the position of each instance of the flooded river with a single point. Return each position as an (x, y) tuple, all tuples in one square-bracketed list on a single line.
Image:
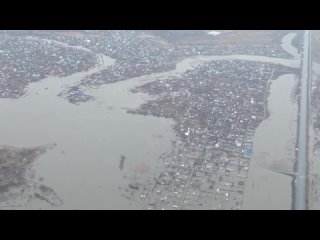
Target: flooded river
[(269, 181), (83, 168), (268, 186)]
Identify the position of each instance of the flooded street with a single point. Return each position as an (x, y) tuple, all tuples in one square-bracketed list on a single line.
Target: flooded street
[(92, 137), (288, 47)]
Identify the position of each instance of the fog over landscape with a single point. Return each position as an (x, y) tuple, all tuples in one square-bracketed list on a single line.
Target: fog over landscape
[(160, 119)]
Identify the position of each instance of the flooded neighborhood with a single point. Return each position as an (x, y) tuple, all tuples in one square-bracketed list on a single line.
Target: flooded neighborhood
[(154, 120)]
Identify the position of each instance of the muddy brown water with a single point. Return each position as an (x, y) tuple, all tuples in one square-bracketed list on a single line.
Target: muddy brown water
[(83, 169), (273, 153), (267, 186)]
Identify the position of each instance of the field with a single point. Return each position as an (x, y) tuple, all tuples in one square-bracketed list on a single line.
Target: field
[(201, 37)]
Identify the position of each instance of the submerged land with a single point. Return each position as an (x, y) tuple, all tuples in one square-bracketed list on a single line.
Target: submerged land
[(214, 87)]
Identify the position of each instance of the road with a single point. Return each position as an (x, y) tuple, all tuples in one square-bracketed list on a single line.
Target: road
[(301, 178)]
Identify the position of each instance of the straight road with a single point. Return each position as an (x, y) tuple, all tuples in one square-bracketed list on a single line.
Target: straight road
[(301, 178)]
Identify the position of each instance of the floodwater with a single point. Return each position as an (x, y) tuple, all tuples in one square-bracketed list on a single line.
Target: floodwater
[(83, 168), (269, 181), (288, 47), (268, 186)]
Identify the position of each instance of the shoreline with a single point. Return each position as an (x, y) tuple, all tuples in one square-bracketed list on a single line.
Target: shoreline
[(107, 99), (260, 161)]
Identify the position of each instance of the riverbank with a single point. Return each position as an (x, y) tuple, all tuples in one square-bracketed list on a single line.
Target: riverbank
[(19, 182), (91, 138)]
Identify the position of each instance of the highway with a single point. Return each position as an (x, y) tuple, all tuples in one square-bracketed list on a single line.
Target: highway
[(300, 192)]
